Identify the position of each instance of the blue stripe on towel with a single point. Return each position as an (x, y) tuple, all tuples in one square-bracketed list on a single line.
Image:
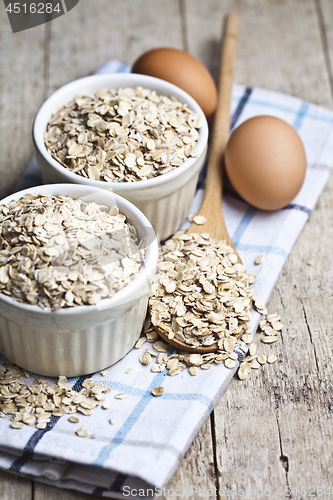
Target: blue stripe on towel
[(137, 412), (142, 393), (242, 226), (123, 68), (129, 423), (300, 115), (240, 106), (265, 104), (262, 249)]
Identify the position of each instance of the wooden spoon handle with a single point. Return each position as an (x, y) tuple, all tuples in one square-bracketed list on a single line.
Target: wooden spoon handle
[(211, 206)]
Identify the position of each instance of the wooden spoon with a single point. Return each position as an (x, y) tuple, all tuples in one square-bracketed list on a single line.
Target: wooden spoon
[(211, 207)]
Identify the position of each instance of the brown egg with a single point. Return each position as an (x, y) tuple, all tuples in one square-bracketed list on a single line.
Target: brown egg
[(181, 69), (265, 161)]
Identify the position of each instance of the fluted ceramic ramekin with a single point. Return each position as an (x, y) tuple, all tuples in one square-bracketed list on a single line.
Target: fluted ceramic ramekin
[(84, 339), (165, 200)]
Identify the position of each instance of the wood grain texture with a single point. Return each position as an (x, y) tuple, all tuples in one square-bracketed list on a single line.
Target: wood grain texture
[(274, 429), (325, 14), (196, 472), (280, 45), (14, 487), (88, 36), (46, 492), (21, 93)]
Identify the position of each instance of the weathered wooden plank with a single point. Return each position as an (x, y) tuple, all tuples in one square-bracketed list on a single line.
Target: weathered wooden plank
[(21, 93), (303, 393), (14, 487), (46, 492), (325, 13), (196, 472), (92, 33), (279, 44)]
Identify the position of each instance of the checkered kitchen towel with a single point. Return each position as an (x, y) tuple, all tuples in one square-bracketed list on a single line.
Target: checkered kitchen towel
[(150, 435)]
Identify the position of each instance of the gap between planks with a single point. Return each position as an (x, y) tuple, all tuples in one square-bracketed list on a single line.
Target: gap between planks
[(324, 41)]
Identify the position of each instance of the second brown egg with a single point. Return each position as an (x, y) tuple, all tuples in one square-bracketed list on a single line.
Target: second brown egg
[(265, 161)]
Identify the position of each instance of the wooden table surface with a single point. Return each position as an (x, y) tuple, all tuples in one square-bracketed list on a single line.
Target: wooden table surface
[(275, 429)]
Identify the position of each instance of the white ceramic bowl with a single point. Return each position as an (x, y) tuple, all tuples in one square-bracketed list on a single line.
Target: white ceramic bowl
[(166, 199), (84, 339)]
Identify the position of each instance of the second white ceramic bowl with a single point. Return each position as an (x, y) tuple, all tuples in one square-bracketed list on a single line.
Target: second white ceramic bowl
[(79, 340), (165, 200)]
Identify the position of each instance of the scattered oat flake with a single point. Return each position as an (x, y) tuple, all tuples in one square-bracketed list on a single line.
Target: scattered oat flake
[(145, 359), (199, 219), (259, 305), (273, 317), (176, 370), (29, 419), (121, 395), (253, 349), (278, 325), (158, 391), (269, 339), (41, 425), (254, 364), (128, 370), (82, 432), (193, 370), (106, 405), (17, 425), (157, 368), (160, 346), (272, 358), (262, 359), (103, 373), (152, 353), (247, 338), (246, 367), (230, 363), (140, 342), (111, 421), (74, 420), (152, 336), (259, 259), (242, 374)]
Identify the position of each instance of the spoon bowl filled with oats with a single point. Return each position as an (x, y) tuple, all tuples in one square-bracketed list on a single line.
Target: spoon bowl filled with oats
[(76, 264), (141, 137)]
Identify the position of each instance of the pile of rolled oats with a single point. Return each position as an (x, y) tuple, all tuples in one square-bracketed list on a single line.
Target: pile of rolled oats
[(175, 362), (271, 326), (36, 403), (201, 294), (163, 356), (123, 135), (59, 252)]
